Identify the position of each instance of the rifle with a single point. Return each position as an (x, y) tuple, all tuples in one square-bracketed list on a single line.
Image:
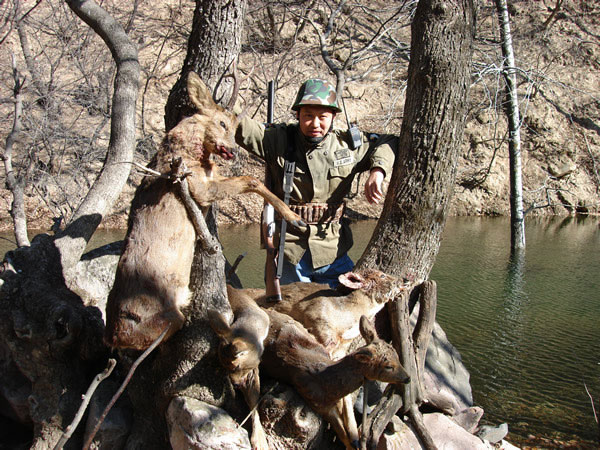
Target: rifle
[(272, 285)]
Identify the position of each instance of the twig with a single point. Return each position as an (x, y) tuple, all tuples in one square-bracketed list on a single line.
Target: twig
[(593, 409), (149, 170), (115, 397), (363, 436), (86, 400), (592, 402), (257, 404), (382, 414), (235, 265), (207, 240)]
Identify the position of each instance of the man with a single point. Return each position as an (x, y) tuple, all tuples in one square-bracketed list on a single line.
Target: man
[(325, 165)]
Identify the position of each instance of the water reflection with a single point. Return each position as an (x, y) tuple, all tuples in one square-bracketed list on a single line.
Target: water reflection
[(527, 328)]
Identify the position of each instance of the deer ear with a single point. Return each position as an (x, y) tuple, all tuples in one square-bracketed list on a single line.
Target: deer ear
[(367, 330), (351, 280), (199, 94), (218, 323), (363, 355)]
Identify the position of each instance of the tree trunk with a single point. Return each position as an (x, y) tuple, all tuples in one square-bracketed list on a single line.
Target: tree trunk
[(51, 339), (511, 108), (407, 237), (15, 183), (215, 42)]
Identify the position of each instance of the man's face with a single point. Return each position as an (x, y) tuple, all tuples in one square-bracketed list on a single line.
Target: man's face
[(315, 121)]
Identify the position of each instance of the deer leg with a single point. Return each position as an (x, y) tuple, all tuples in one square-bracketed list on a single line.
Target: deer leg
[(350, 419), (251, 391), (219, 188), (254, 185), (334, 417)]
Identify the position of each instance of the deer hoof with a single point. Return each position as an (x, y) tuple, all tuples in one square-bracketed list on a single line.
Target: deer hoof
[(298, 223)]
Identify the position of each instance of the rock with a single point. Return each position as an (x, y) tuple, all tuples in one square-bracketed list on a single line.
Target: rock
[(446, 434), (94, 275), (562, 168), (469, 418), (446, 379), (197, 425), (391, 437), (493, 434), (289, 423)]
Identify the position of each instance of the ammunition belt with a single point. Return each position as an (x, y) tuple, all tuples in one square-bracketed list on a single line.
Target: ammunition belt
[(314, 213)]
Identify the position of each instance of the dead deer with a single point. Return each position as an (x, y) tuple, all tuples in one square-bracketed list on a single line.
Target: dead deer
[(240, 351), (332, 315), (153, 274), (293, 355)]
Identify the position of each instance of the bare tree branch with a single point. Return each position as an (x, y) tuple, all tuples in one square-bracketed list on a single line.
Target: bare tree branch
[(16, 183), (72, 242), (86, 400)]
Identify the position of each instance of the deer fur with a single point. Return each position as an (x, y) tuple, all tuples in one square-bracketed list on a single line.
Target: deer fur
[(240, 350), (153, 273), (333, 315), (293, 355)]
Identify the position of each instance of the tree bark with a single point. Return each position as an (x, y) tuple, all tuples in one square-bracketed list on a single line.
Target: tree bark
[(214, 43), (14, 183), (407, 237), (511, 108)]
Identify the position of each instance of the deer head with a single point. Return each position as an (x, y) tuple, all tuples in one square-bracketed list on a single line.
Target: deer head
[(210, 130), (379, 359)]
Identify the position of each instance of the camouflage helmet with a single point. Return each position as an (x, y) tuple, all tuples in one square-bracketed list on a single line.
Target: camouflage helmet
[(316, 92)]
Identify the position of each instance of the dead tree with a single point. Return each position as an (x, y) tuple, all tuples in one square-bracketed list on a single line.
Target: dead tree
[(511, 108), (342, 33)]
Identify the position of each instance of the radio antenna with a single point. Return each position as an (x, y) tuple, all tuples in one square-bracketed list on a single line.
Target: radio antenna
[(355, 140)]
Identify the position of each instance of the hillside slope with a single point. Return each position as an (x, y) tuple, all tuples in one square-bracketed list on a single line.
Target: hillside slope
[(558, 58)]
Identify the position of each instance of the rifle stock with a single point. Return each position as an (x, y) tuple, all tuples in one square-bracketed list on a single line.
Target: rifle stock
[(272, 286)]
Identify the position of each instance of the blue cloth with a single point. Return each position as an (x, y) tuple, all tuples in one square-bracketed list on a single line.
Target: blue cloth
[(304, 271)]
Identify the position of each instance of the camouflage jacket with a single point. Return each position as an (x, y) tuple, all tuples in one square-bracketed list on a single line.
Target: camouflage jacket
[(323, 173)]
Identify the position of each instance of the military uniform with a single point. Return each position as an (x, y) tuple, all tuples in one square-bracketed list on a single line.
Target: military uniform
[(322, 178)]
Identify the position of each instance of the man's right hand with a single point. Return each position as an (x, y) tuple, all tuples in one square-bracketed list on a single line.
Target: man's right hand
[(374, 186)]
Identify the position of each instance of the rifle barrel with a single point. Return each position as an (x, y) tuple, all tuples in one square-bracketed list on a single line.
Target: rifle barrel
[(270, 101)]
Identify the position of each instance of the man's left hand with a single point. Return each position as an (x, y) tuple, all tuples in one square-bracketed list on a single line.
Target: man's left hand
[(374, 186)]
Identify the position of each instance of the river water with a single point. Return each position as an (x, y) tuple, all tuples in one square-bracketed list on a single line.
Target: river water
[(528, 331)]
